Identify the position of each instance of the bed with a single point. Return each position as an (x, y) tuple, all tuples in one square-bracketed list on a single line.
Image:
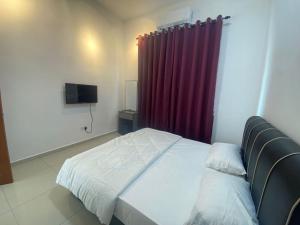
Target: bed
[(122, 179)]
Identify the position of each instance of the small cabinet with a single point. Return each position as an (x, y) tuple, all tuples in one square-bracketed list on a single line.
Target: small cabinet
[(127, 121)]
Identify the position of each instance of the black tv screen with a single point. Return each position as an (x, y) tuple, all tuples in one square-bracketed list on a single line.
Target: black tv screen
[(80, 93)]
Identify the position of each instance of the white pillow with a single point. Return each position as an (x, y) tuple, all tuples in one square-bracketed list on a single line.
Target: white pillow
[(223, 199), (226, 158)]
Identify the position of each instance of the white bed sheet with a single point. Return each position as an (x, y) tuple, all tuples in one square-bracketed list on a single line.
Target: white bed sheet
[(98, 176), (166, 192)]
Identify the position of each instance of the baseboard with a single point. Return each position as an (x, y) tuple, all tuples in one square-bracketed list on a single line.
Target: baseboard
[(59, 149)]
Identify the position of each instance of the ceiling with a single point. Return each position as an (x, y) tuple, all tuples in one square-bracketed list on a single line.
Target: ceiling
[(127, 9)]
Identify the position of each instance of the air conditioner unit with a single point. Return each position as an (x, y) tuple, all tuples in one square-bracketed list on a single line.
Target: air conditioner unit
[(176, 17)]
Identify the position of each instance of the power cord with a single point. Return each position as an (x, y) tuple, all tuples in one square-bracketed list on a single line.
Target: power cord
[(92, 121)]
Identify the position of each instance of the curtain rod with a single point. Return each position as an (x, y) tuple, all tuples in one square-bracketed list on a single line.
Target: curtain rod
[(223, 18)]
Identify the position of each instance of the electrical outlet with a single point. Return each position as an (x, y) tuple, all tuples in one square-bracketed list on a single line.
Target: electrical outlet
[(85, 128)]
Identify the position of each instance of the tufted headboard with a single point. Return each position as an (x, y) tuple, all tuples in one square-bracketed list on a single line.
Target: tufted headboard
[(272, 161)]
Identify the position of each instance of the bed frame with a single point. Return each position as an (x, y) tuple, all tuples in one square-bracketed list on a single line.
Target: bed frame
[(272, 161)]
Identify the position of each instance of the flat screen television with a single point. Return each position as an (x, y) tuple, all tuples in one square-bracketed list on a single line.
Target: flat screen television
[(80, 93)]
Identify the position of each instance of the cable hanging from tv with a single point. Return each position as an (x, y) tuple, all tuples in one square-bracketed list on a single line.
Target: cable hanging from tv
[(92, 121)]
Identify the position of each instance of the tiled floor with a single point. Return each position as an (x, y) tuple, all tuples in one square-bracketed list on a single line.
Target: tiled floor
[(35, 199)]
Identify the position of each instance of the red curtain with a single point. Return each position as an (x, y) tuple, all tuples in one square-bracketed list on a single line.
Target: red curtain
[(177, 79)]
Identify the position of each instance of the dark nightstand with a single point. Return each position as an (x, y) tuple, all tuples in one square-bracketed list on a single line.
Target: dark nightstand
[(127, 121)]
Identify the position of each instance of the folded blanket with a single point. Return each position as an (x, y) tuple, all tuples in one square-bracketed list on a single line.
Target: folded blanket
[(98, 176)]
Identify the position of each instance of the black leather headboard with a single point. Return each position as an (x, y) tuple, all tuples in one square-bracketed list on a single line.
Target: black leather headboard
[(272, 161)]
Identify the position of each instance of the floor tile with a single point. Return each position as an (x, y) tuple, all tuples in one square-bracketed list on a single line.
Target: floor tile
[(27, 189), (28, 168), (7, 219), (51, 208), (56, 159), (84, 217), (4, 207), (56, 168)]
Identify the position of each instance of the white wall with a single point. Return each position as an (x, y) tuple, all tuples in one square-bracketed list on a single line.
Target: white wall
[(242, 57), (281, 105), (43, 44)]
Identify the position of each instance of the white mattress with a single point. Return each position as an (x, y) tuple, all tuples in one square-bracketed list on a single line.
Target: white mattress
[(98, 176), (167, 191)]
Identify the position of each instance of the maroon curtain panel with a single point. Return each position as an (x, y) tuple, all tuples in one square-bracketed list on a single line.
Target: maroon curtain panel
[(177, 78)]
